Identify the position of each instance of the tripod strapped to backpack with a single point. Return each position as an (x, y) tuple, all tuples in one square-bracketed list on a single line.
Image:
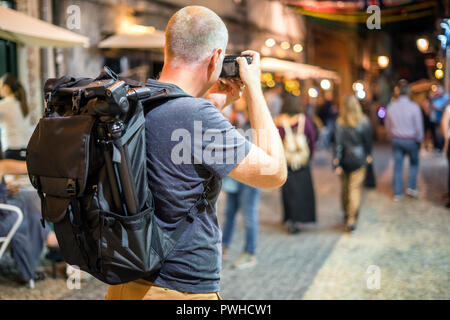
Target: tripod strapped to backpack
[(87, 160)]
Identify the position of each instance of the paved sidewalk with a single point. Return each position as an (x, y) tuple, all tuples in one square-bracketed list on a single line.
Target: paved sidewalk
[(409, 242)]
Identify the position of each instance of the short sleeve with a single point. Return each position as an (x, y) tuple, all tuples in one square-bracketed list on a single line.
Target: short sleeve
[(218, 146)]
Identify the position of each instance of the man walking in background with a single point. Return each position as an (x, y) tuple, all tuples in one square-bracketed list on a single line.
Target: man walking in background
[(404, 125)]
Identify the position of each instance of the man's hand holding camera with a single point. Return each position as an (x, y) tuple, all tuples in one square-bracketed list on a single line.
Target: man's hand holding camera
[(224, 92)]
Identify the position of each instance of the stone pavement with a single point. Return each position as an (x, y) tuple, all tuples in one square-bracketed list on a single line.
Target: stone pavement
[(407, 242)]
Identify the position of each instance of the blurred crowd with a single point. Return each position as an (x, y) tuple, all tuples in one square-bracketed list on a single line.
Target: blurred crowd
[(413, 120)]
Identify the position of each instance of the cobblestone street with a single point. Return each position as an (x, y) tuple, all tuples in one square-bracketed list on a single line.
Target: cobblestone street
[(408, 241)]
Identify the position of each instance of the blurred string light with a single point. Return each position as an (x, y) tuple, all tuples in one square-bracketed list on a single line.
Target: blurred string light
[(298, 48), (439, 65), (358, 86), (434, 88), (266, 77), (439, 74), (270, 42), (360, 94), (270, 83), (325, 84), (313, 92), (381, 112), (291, 85), (422, 44), (383, 61), (285, 45)]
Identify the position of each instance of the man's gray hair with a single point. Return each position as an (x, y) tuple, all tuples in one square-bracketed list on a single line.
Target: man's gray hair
[(193, 33)]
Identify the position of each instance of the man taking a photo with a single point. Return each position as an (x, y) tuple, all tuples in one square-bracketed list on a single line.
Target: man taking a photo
[(196, 40)]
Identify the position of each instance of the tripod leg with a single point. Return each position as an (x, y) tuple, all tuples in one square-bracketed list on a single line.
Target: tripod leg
[(113, 181), (127, 181)]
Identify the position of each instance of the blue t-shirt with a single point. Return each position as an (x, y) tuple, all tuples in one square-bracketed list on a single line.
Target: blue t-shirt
[(189, 141)]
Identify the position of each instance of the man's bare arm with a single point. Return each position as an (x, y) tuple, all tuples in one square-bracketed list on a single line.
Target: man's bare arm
[(265, 165)]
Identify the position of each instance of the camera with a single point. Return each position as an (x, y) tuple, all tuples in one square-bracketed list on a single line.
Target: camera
[(230, 68)]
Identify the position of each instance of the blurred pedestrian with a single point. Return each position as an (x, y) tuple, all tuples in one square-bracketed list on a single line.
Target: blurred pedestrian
[(274, 100), (404, 125), (299, 136), (14, 118), (328, 114), (241, 196), (445, 130), (352, 145)]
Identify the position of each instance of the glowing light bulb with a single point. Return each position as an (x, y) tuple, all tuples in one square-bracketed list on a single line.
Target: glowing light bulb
[(313, 92), (325, 84), (285, 45), (298, 48), (270, 42), (422, 45), (383, 61)]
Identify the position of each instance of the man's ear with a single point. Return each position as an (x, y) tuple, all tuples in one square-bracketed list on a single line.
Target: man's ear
[(213, 62)]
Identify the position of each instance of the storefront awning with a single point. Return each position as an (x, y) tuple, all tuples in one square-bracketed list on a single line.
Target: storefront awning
[(21, 28), (297, 70), (154, 40)]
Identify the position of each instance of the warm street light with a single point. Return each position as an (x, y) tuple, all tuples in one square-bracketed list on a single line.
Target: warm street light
[(298, 48), (270, 42), (422, 45), (325, 84), (383, 62)]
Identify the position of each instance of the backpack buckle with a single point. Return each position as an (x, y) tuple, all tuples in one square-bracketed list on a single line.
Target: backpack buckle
[(76, 100), (71, 187)]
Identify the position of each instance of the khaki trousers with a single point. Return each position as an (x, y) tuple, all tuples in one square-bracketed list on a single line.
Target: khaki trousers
[(352, 186), (145, 290)]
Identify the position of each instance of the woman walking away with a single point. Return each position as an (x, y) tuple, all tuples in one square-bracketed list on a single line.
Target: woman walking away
[(299, 136), (353, 142), (14, 118)]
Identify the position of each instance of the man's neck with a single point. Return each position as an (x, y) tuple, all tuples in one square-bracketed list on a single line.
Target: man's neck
[(189, 80)]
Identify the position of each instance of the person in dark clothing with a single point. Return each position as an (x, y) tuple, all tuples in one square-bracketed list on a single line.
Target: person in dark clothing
[(298, 191), (353, 142)]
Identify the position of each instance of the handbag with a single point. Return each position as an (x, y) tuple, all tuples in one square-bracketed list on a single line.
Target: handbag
[(296, 146)]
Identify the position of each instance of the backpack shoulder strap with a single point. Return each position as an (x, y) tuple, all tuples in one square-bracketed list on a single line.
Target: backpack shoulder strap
[(301, 124), (160, 96), (200, 204), (287, 128)]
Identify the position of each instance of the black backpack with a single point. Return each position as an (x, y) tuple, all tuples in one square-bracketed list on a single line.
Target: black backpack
[(87, 160), (353, 146)]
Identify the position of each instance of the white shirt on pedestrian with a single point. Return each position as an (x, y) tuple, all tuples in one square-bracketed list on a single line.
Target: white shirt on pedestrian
[(15, 128)]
